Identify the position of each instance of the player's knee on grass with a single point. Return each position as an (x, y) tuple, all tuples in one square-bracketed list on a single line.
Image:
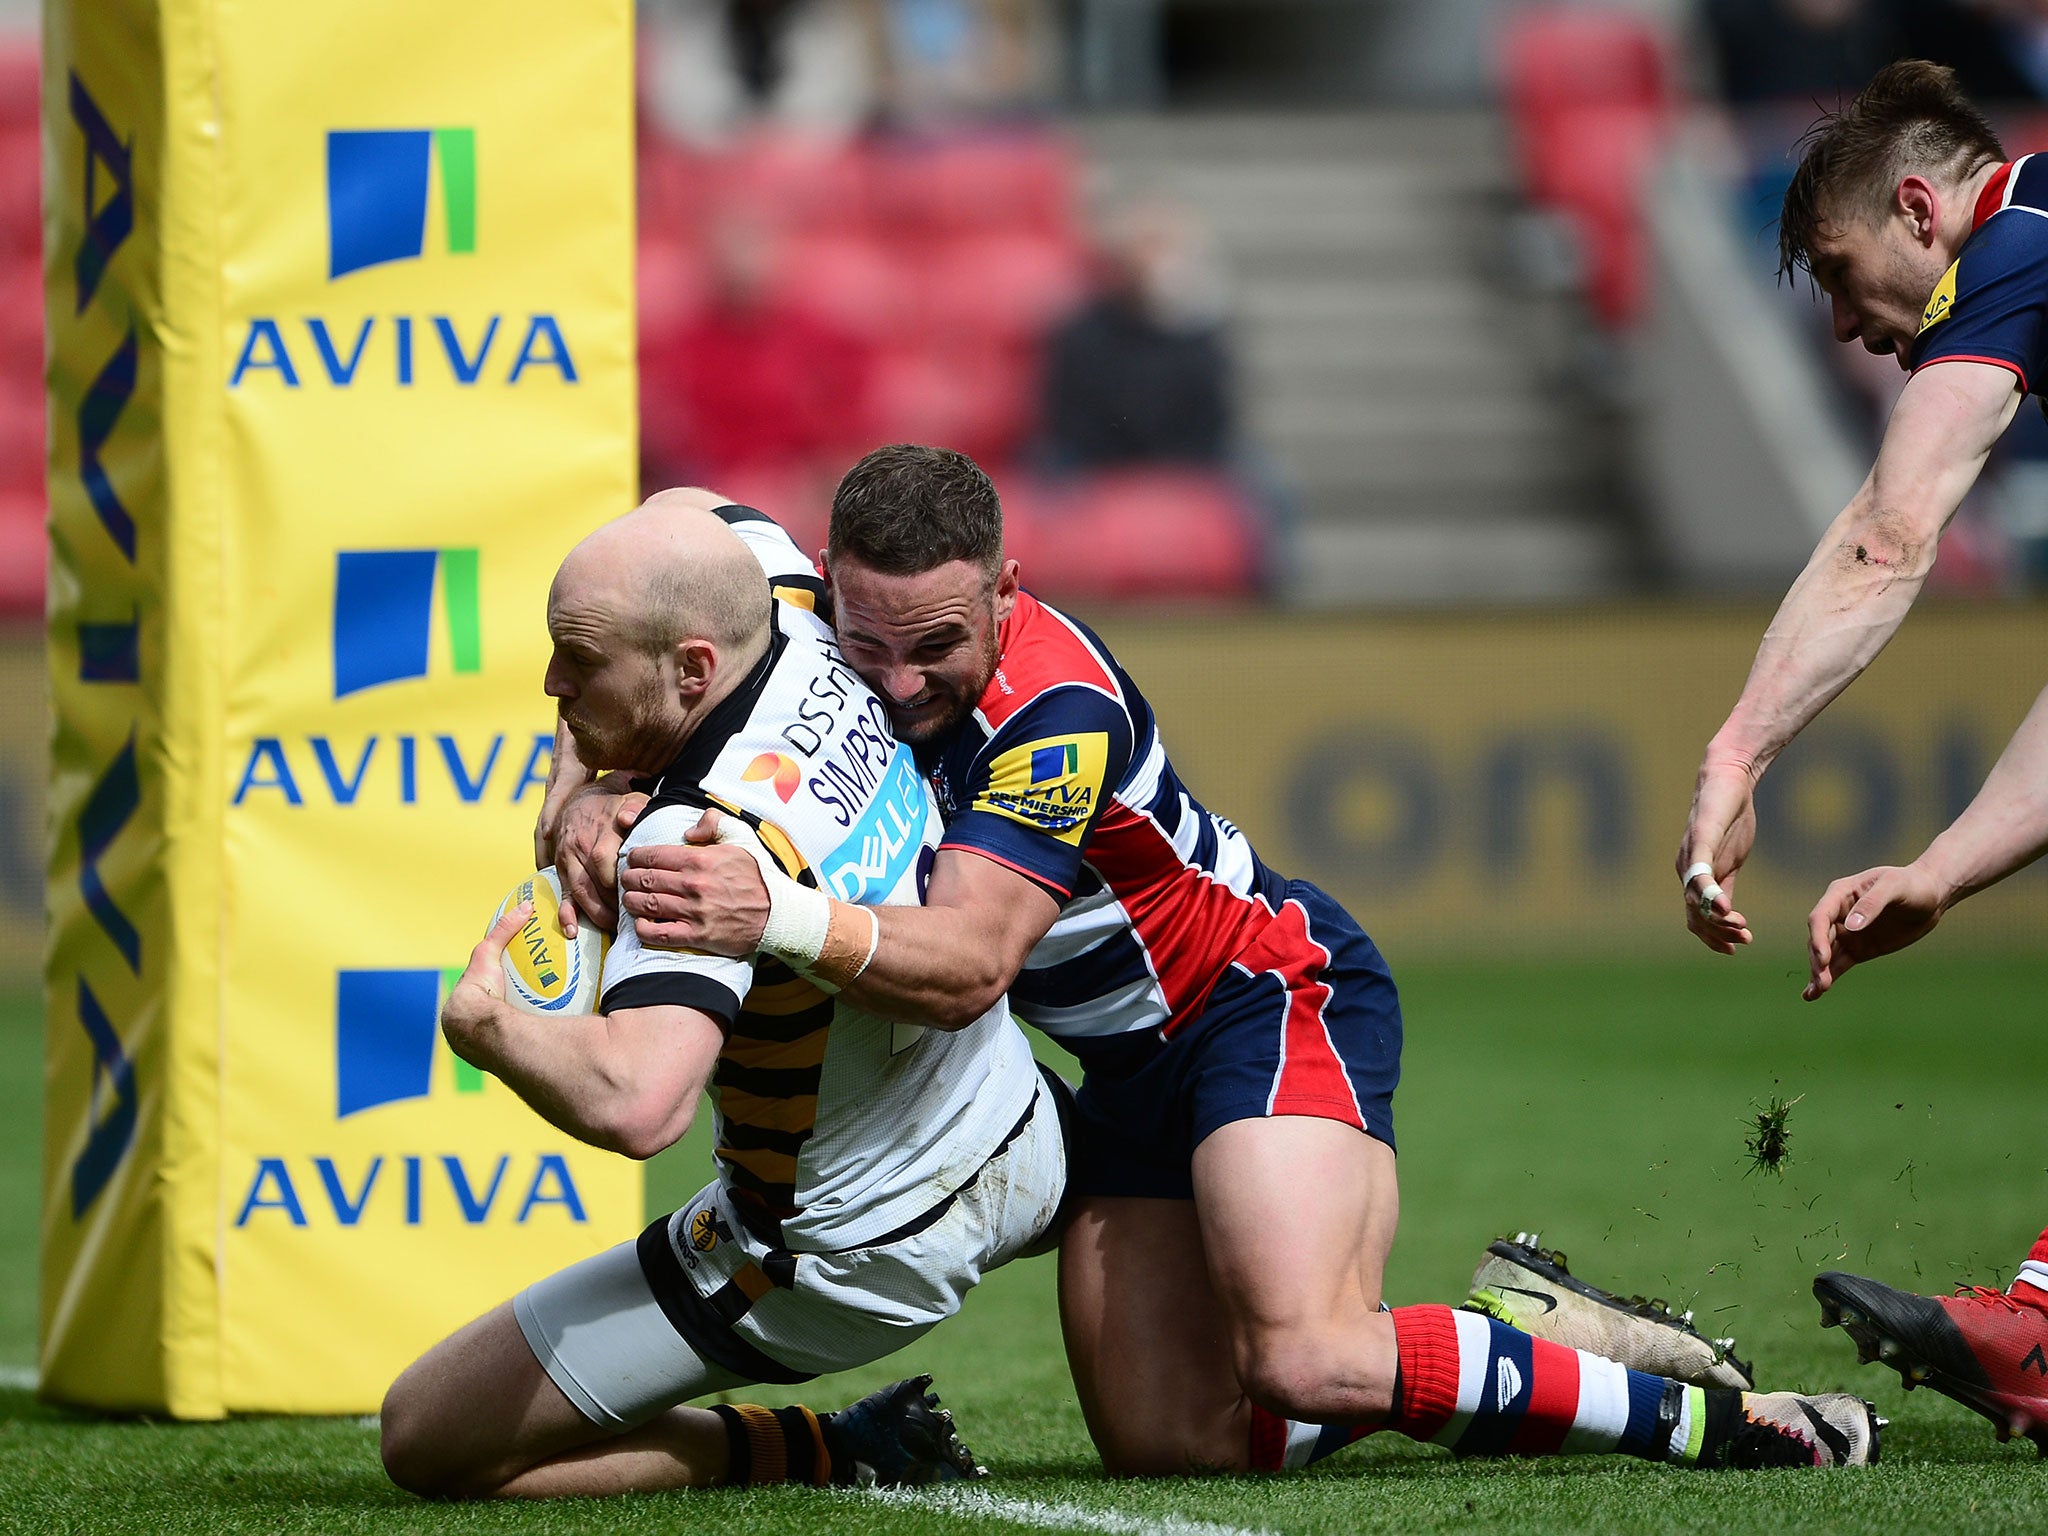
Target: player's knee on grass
[(421, 1451), (1173, 1446)]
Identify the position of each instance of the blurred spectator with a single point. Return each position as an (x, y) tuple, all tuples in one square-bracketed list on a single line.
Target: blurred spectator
[(1998, 48), (954, 58), (1808, 50), (712, 67), (748, 379), (1143, 373)]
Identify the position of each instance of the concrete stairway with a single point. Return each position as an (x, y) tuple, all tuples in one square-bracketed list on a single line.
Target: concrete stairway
[(1412, 399)]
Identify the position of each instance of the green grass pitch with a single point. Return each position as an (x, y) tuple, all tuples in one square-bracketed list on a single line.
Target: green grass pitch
[(1603, 1104)]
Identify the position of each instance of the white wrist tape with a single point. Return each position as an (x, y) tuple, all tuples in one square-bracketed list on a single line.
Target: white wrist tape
[(798, 917)]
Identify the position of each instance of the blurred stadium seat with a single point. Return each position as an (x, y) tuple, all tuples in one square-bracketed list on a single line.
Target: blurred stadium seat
[(1591, 95), (22, 555), (949, 258), (1146, 534), (22, 490)]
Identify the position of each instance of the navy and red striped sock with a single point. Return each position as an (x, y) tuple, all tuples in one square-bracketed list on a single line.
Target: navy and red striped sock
[(1485, 1389)]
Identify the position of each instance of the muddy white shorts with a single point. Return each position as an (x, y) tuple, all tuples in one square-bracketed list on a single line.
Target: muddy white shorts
[(700, 1304)]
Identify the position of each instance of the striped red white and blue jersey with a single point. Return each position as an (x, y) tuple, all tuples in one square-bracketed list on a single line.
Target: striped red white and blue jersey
[(1991, 305), (1060, 774)]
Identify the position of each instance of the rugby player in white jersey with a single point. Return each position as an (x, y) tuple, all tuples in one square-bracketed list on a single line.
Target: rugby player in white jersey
[(1234, 1170), (868, 1172)]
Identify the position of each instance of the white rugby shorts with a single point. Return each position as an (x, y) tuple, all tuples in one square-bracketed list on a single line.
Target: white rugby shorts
[(699, 1304)]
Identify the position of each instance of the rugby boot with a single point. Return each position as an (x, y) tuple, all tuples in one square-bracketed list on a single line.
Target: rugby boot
[(1986, 1349), (1790, 1429), (898, 1437), (1530, 1288)]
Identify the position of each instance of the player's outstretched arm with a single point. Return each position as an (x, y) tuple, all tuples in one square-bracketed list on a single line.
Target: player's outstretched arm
[(627, 1081), (2003, 830), (1845, 606)]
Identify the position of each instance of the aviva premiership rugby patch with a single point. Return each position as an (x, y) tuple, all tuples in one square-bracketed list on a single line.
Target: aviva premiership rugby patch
[(1053, 785), (1944, 300)]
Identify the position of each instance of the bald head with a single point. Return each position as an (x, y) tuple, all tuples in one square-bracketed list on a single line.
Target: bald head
[(669, 571), (655, 618)]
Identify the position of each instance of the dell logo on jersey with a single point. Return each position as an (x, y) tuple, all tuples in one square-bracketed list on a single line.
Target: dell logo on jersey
[(884, 844)]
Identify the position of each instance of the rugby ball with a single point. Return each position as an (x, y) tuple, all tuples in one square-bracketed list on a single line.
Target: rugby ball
[(546, 971)]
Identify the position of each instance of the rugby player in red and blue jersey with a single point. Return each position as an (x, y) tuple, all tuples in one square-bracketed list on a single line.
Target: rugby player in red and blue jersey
[(1931, 247), (1220, 1277)]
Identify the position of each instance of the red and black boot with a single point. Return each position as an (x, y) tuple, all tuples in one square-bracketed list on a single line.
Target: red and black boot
[(1986, 1349)]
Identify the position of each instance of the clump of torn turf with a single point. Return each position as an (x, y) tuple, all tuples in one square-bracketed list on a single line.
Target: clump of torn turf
[(1765, 1138)]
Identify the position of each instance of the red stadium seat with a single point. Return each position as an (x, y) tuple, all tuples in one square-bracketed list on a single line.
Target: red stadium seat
[(1004, 287), (971, 396), (21, 80), (1556, 57), (850, 279), (21, 434), (21, 210), (673, 285), (1598, 160), (24, 554), (1150, 533), (794, 181), (1002, 180)]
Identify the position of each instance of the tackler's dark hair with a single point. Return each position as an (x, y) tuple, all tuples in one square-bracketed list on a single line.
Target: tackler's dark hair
[(906, 509)]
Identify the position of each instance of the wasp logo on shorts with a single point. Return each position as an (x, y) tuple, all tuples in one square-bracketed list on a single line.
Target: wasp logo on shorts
[(377, 194), (706, 1229), (1943, 303), (1053, 785), (775, 767), (384, 612)]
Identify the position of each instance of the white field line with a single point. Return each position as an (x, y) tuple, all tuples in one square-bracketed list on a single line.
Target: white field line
[(18, 1378), (979, 1503)]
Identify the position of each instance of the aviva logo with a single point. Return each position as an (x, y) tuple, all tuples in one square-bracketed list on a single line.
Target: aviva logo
[(381, 209), (386, 1024), (378, 182), (384, 613)]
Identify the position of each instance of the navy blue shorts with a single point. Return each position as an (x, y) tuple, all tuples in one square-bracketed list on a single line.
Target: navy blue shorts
[(1306, 1021)]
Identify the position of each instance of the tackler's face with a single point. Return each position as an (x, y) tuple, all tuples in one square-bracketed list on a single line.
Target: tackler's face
[(926, 643), (1878, 279)]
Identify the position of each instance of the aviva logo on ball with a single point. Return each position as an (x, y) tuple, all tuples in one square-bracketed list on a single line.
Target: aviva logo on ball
[(547, 970)]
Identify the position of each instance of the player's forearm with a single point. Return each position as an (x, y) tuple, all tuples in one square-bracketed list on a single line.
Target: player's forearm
[(932, 966), (577, 1074), (2005, 828), (1843, 609)]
